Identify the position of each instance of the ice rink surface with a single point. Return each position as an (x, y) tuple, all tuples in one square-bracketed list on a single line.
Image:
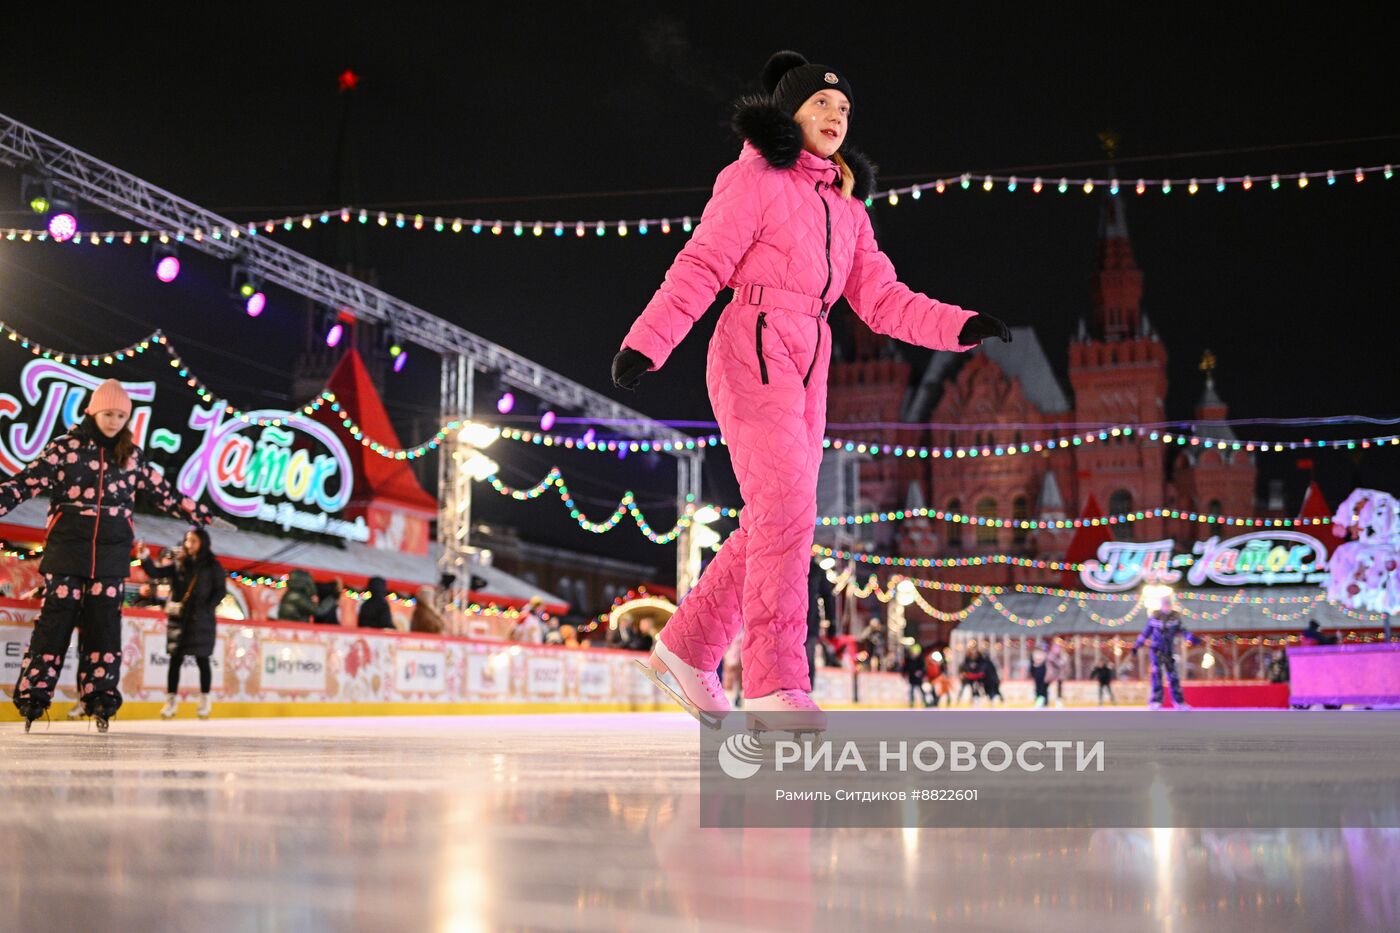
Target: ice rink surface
[(578, 822)]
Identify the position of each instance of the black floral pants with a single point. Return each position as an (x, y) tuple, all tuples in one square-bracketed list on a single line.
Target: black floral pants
[(93, 607)]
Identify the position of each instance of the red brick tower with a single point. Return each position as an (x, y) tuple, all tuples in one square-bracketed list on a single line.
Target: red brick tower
[(1212, 480), (1118, 370)]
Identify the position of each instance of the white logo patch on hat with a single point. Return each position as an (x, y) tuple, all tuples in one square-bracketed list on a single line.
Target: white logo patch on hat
[(830, 78)]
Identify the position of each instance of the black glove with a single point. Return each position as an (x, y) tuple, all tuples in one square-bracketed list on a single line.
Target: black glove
[(981, 326), (628, 367)]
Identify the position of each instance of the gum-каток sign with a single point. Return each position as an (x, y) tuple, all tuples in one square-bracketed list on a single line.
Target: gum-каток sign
[(295, 474), (1258, 557)]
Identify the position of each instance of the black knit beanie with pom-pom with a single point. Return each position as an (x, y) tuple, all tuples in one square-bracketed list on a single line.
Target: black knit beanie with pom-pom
[(790, 79)]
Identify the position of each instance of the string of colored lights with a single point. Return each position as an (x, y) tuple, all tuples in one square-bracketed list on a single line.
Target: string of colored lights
[(627, 505), (642, 226), (80, 359), (978, 561), (1081, 598), (1063, 184), (472, 608), (634, 445), (555, 478), (1239, 596), (1031, 524), (877, 449), (1125, 431)]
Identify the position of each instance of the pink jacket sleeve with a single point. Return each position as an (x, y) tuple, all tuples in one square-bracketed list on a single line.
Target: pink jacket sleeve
[(727, 229), (892, 308)]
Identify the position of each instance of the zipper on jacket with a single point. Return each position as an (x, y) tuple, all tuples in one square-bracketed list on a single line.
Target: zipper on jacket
[(97, 523), (758, 343), (816, 352)]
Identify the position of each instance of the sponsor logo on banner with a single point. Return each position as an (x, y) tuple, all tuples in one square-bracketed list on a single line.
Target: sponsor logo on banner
[(488, 674), (595, 679), (157, 664), (292, 666), (420, 671), (13, 641), (544, 677)]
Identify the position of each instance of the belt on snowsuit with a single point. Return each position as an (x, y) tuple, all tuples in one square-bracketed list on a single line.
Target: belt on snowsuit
[(777, 298)]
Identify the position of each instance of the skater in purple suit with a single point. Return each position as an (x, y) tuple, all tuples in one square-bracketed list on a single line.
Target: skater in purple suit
[(1160, 633)]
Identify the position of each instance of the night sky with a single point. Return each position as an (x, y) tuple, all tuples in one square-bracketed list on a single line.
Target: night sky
[(568, 113)]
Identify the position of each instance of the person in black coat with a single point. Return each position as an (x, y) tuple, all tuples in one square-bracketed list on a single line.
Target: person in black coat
[(821, 605), (328, 602), (92, 476), (374, 611), (991, 680), (198, 583), (916, 674)]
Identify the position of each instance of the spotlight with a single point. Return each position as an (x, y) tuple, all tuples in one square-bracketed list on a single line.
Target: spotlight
[(478, 435), (1155, 595), (905, 592), (63, 227), (334, 323), (505, 403), (36, 193), (166, 262), (706, 515), (247, 288), (389, 337)]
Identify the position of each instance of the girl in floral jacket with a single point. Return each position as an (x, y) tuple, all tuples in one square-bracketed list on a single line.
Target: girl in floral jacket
[(786, 228), (92, 475)]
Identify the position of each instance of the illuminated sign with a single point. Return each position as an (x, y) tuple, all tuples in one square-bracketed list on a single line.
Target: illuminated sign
[(1258, 558), (295, 474)]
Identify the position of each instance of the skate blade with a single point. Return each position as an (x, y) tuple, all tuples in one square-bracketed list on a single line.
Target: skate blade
[(708, 720), (757, 727)]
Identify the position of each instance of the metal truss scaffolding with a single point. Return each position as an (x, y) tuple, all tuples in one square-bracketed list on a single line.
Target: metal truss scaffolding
[(463, 353)]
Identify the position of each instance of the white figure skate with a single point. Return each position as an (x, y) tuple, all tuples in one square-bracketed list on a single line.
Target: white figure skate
[(698, 692), (205, 706), (171, 707), (785, 711)]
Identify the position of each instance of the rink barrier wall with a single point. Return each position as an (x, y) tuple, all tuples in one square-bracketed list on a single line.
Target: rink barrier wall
[(297, 669)]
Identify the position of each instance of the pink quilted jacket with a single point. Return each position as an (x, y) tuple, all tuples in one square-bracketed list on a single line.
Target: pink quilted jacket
[(789, 229)]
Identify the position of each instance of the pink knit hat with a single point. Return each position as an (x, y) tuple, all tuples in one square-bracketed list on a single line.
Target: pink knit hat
[(110, 396)]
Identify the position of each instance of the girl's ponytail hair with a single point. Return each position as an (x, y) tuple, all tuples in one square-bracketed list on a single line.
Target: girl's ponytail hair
[(848, 177)]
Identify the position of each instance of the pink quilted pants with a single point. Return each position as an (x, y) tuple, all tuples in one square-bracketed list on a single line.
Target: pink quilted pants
[(766, 375)]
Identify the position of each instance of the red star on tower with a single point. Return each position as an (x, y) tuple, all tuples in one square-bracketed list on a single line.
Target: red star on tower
[(348, 80)]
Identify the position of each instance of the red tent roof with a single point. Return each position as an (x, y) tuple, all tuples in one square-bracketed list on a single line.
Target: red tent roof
[(1315, 506), (1085, 543), (376, 477)]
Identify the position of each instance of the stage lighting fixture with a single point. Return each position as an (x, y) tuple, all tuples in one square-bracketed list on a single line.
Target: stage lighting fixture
[(63, 226), (334, 324), (166, 263), (247, 289), (36, 193)]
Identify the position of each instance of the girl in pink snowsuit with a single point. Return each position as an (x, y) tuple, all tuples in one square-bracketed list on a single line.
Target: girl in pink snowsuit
[(786, 228)]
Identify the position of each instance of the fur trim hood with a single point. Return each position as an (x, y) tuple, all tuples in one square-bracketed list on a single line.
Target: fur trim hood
[(779, 140)]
